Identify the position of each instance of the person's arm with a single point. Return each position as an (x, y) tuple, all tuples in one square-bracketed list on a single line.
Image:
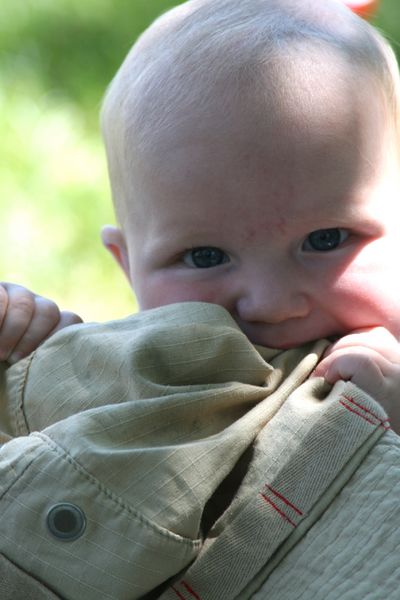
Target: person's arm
[(370, 358), (26, 320)]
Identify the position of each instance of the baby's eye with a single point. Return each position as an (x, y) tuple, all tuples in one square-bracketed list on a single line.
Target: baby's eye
[(205, 257), (324, 240)]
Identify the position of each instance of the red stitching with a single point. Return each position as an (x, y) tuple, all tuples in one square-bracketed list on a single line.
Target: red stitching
[(284, 499), (190, 590), (177, 592), (366, 410), (358, 414), (277, 509)]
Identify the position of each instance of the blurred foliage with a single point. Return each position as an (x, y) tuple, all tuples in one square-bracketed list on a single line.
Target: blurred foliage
[(56, 59)]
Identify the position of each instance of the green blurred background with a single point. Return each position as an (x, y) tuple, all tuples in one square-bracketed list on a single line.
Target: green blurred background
[(56, 58)]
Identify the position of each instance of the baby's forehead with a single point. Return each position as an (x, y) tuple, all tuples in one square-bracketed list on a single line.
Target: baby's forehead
[(294, 90), (231, 139), (182, 83), (207, 65)]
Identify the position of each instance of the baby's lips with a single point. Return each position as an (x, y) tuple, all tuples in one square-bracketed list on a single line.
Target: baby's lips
[(363, 8)]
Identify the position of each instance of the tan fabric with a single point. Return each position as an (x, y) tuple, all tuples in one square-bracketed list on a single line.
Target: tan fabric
[(353, 552), (345, 544), (14, 584), (148, 425)]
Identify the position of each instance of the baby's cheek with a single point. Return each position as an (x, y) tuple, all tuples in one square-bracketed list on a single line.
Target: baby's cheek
[(160, 291), (366, 295)]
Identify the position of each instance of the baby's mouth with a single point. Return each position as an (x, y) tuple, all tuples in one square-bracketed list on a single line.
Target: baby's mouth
[(283, 338), (295, 344)]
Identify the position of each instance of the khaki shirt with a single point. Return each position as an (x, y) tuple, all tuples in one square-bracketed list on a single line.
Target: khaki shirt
[(164, 455)]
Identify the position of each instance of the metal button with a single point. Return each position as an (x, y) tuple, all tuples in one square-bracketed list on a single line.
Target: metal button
[(66, 521)]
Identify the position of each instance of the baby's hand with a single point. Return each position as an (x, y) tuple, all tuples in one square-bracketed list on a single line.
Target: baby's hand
[(26, 320), (370, 358)]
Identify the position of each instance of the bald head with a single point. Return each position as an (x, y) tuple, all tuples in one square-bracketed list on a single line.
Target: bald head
[(204, 54)]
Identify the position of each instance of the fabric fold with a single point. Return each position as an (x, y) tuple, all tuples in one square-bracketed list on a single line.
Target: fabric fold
[(184, 446)]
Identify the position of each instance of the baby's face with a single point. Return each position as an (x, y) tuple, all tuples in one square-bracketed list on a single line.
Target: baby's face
[(287, 216)]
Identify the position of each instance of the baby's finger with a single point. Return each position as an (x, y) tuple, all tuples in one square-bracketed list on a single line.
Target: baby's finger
[(44, 319), (67, 318), (41, 328), (3, 302), (367, 369), (346, 366), (20, 310), (377, 339)]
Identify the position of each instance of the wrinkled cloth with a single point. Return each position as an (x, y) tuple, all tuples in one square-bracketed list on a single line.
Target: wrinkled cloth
[(204, 468)]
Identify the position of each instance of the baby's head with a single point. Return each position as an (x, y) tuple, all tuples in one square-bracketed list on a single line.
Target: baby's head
[(253, 155)]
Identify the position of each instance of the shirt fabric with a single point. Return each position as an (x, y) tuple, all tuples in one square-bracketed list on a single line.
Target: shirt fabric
[(165, 456)]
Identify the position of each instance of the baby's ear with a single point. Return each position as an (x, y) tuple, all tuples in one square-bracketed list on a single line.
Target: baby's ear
[(114, 241)]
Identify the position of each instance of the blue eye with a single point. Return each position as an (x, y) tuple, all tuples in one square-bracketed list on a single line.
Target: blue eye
[(205, 257), (325, 240)]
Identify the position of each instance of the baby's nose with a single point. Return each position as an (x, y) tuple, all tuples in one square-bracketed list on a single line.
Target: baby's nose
[(273, 299)]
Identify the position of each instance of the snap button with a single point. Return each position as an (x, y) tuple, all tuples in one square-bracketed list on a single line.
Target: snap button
[(66, 521)]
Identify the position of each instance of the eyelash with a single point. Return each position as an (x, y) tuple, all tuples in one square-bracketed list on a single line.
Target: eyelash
[(212, 256), (333, 237), (211, 253)]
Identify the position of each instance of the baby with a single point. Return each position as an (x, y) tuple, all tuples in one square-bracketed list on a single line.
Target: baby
[(254, 163)]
